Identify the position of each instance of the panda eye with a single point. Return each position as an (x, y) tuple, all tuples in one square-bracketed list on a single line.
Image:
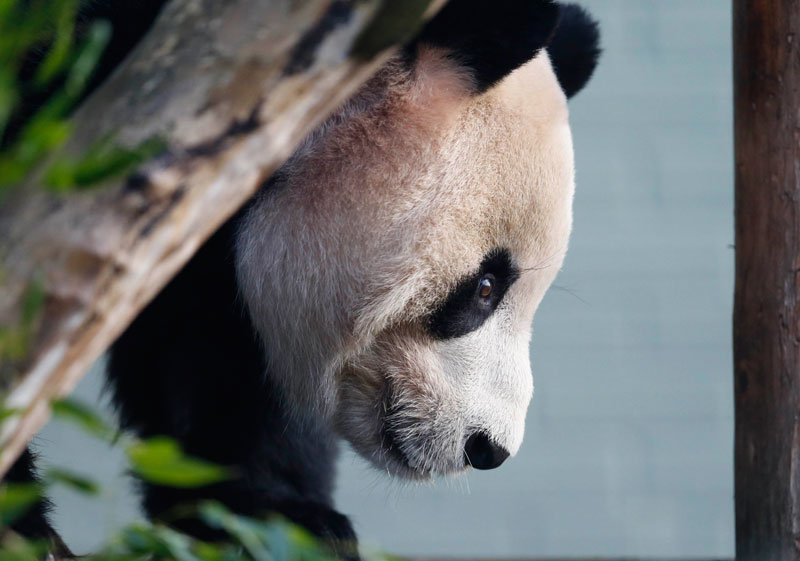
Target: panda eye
[(485, 286), (475, 297)]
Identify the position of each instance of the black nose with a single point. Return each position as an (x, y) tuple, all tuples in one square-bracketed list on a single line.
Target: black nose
[(482, 453)]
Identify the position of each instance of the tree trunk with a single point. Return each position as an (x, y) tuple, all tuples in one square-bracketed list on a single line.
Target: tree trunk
[(231, 87), (766, 41)]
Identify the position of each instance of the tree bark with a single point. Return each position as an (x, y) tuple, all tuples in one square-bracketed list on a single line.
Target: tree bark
[(766, 39), (230, 87)]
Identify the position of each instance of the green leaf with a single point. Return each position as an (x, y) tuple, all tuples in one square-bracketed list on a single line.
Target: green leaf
[(101, 162), (16, 499), (140, 538), (274, 538), (88, 57), (24, 25), (160, 460), (247, 533), (219, 551), (32, 302), (5, 8), (15, 340), (156, 542), (82, 416), (65, 12), (18, 549), (8, 412), (13, 343), (9, 97), (73, 481), (179, 545), (45, 133), (209, 552)]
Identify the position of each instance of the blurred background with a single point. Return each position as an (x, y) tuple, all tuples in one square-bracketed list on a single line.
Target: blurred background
[(628, 449)]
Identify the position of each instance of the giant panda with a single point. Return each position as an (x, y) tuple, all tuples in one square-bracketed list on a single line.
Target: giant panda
[(381, 285)]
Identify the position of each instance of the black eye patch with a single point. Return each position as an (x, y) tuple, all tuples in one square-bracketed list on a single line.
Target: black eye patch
[(474, 298)]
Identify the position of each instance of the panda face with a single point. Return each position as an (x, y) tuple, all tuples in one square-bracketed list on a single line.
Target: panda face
[(447, 383), (393, 266)]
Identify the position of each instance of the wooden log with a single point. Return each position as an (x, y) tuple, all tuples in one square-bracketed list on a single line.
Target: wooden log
[(766, 40), (231, 87)]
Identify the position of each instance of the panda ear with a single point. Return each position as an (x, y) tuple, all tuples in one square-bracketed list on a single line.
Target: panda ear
[(490, 39), (574, 49)]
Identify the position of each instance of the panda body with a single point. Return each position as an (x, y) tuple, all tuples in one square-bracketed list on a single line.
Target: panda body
[(347, 300), (381, 285)]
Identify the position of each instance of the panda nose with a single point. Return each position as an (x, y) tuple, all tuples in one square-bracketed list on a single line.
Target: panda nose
[(482, 453)]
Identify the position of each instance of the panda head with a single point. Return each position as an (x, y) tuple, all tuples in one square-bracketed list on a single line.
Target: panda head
[(392, 267)]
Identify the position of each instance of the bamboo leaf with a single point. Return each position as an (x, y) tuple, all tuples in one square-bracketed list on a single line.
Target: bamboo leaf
[(16, 499), (81, 415), (101, 162), (65, 12), (251, 536), (160, 460), (88, 57), (73, 481), (15, 548)]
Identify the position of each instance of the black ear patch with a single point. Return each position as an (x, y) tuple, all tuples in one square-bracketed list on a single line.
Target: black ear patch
[(575, 48), (490, 38)]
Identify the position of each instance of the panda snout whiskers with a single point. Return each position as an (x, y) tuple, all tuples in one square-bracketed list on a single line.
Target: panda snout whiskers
[(393, 425), (415, 442), (391, 446)]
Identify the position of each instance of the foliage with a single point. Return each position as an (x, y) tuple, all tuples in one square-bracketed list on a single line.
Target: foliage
[(157, 460), (46, 63), (253, 539)]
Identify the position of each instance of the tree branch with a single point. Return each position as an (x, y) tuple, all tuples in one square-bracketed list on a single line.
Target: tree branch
[(230, 87)]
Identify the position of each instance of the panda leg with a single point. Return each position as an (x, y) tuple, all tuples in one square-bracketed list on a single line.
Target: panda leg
[(322, 521)]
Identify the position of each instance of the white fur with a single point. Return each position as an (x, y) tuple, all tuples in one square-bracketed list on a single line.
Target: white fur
[(374, 220)]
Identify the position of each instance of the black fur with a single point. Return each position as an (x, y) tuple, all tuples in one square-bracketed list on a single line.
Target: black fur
[(492, 39), (35, 523), (190, 367), (465, 310), (575, 48)]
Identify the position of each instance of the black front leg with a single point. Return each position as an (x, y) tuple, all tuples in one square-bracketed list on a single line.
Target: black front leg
[(330, 526)]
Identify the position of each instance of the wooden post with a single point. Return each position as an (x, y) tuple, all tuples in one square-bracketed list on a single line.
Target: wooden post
[(766, 42)]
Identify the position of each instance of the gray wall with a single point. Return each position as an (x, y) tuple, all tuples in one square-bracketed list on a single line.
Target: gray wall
[(628, 449)]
